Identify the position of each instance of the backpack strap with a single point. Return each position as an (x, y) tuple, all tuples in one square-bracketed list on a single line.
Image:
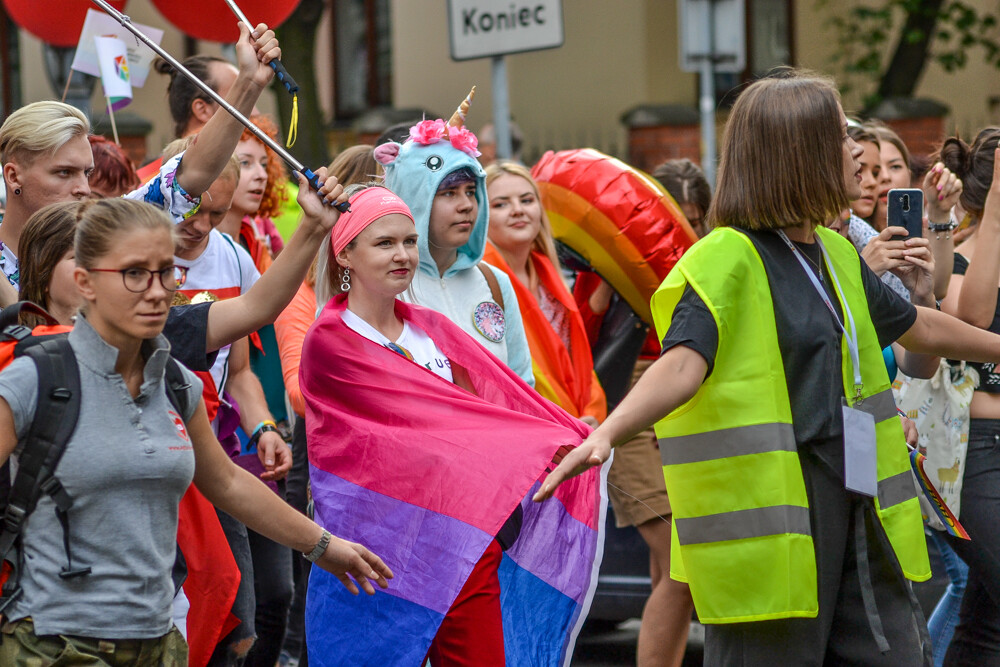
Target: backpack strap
[(11, 315), (239, 264), (492, 281), (56, 414), (176, 386)]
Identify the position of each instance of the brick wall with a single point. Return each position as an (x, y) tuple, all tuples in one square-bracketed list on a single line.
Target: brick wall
[(649, 146), (922, 136)]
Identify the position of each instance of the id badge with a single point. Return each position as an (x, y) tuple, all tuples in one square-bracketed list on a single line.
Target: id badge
[(860, 452)]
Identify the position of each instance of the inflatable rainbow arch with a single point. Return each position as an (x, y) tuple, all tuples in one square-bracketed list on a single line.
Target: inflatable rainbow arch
[(621, 220)]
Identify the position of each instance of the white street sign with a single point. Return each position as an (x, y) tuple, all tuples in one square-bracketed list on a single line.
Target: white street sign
[(485, 28), (728, 27)]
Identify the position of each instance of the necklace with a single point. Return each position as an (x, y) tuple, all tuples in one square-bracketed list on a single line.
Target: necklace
[(819, 268)]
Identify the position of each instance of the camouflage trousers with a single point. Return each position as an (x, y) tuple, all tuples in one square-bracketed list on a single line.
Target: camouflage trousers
[(20, 647)]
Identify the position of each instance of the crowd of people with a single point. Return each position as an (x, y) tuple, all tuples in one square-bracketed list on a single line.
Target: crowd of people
[(405, 394)]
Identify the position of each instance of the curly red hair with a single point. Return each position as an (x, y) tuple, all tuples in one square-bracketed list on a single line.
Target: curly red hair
[(275, 192)]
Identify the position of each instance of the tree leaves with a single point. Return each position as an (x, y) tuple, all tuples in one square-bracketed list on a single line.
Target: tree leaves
[(948, 33)]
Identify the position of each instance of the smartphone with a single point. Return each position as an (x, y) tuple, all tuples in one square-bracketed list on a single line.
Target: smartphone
[(906, 209)]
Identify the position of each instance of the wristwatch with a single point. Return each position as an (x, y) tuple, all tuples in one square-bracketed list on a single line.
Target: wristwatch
[(262, 428), (324, 542)]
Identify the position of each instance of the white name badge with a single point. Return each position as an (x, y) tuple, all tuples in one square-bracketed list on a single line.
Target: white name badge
[(860, 452)]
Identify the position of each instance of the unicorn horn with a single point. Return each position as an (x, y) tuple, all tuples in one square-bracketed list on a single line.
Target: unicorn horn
[(458, 118)]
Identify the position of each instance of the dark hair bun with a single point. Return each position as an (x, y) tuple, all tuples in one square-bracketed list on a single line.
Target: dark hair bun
[(954, 155)]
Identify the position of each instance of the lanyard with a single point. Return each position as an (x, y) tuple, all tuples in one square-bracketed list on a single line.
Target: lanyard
[(852, 335)]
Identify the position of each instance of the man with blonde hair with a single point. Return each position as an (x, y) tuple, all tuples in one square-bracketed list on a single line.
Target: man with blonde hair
[(47, 158)]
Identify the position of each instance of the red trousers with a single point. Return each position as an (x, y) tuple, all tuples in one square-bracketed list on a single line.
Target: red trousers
[(471, 634)]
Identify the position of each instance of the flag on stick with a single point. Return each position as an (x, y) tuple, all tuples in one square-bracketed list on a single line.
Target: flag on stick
[(115, 78)]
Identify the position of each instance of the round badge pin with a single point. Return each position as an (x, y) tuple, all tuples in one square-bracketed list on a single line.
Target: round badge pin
[(489, 321)]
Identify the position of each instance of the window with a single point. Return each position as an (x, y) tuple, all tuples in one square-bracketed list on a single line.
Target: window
[(362, 56), (10, 65), (769, 40)]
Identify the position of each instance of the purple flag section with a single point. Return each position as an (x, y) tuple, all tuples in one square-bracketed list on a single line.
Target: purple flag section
[(424, 473)]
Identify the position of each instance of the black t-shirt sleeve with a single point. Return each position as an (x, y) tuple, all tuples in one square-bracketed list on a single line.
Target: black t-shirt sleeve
[(891, 314), (187, 331), (693, 326), (961, 265)]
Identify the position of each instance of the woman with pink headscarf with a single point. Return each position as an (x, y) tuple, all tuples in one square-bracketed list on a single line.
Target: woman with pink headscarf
[(421, 438)]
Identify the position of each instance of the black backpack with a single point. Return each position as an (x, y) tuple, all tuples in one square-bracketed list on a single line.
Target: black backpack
[(55, 419)]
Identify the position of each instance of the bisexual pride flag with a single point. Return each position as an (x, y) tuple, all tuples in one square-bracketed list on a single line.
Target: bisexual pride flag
[(424, 472)]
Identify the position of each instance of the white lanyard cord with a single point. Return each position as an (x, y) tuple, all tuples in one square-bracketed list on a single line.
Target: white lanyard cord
[(852, 335)]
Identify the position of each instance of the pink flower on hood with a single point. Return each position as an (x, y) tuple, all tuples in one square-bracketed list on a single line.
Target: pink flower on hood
[(464, 140), (427, 131)]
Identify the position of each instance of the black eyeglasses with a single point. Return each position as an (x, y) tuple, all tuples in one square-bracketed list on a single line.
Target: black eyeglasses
[(139, 280)]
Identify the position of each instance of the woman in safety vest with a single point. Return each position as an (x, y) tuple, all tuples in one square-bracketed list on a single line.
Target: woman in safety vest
[(795, 514)]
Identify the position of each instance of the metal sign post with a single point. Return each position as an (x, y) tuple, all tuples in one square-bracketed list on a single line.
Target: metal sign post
[(494, 28), (712, 39), (501, 108)]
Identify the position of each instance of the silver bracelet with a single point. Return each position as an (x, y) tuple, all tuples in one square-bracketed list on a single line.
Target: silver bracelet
[(324, 542)]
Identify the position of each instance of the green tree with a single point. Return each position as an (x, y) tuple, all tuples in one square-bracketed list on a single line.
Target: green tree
[(298, 38), (948, 32)]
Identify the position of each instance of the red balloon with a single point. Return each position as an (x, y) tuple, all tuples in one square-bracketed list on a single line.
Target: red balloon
[(214, 21), (58, 22)]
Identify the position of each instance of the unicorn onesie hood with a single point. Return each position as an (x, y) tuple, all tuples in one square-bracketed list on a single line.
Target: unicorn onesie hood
[(414, 171)]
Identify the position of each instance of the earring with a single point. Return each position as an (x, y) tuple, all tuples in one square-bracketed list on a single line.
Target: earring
[(17, 191), (345, 284)]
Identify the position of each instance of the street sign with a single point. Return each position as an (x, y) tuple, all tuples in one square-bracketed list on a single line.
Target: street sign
[(712, 28), (485, 28)]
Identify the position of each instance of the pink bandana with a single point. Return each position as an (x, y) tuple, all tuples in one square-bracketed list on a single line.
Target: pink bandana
[(367, 206)]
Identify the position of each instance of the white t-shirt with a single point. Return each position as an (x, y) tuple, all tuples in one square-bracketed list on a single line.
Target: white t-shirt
[(223, 271), (414, 340)]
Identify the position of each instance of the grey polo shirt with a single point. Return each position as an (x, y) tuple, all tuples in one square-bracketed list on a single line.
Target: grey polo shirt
[(126, 467)]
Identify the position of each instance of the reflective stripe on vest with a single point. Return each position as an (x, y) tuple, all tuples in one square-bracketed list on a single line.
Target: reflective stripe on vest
[(744, 524), (739, 441)]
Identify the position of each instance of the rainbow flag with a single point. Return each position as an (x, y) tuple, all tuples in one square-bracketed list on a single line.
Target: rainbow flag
[(425, 472), (934, 499), (113, 58)]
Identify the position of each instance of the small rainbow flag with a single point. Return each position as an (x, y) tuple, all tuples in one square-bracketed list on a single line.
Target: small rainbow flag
[(115, 76), (935, 500)]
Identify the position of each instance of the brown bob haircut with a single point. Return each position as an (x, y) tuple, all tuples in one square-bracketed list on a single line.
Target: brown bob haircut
[(782, 159)]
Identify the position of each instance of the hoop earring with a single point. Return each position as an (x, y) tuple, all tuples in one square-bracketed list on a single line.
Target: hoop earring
[(345, 284)]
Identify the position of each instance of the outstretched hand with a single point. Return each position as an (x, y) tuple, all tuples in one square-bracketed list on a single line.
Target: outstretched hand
[(343, 558), (592, 452), (319, 206), (254, 52)]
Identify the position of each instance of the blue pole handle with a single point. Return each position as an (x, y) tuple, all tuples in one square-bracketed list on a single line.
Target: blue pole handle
[(343, 207), (284, 77)]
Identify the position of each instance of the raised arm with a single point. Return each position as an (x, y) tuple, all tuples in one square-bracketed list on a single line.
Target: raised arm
[(233, 319), (216, 142), (941, 192), (671, 381), (978, 296)]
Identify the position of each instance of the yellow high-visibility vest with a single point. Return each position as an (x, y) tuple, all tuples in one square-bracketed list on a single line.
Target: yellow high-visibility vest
[(741, 533)]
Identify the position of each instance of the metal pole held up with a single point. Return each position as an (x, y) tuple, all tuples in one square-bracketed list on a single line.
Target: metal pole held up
[(310, 175)]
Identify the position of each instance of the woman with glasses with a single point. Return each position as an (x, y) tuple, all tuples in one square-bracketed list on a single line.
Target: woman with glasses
[(128, 463)]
